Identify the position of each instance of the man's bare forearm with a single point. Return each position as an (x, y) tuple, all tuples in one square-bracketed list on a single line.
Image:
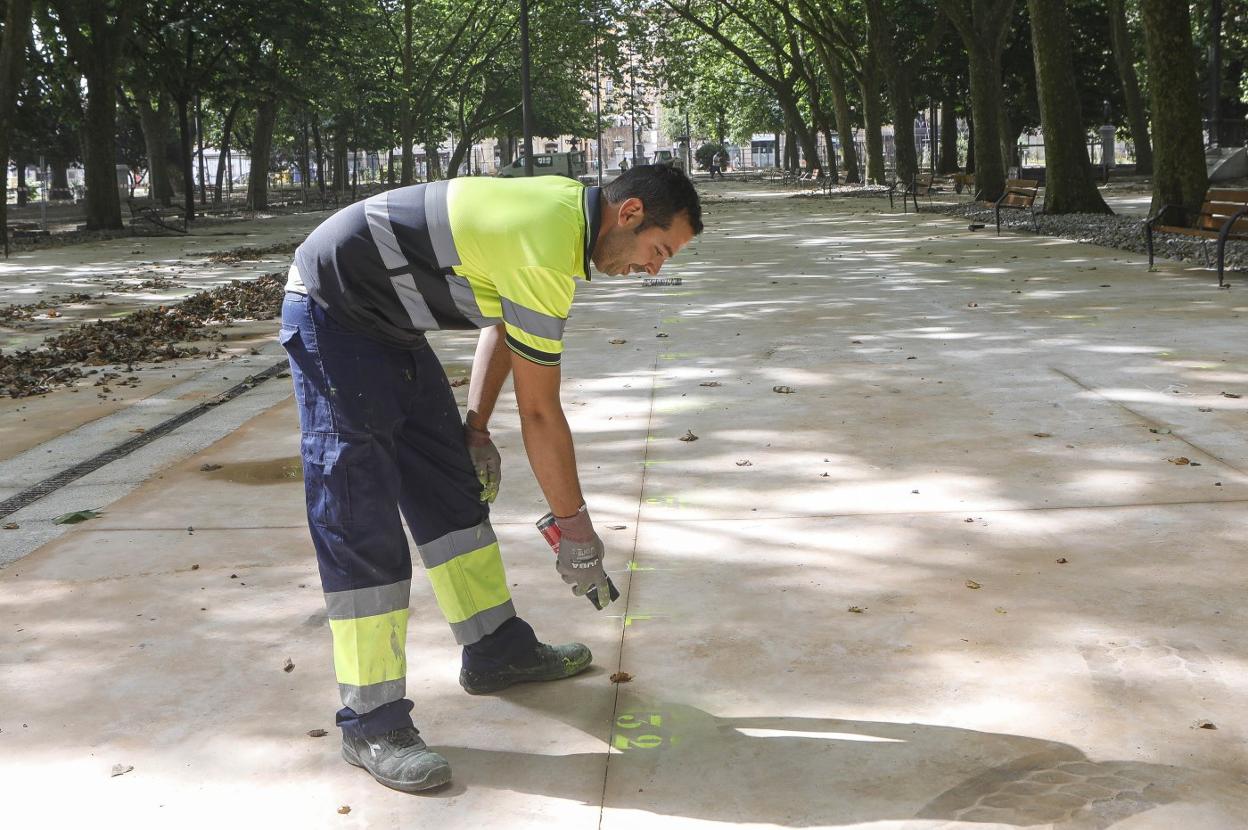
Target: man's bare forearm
[(490, 367), (548, 442)]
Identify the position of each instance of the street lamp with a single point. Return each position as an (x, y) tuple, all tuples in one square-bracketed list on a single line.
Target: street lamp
[(526, 90), (593, 21)]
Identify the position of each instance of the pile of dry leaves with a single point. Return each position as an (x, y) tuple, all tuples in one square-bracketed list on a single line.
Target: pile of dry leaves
[(151, 334)]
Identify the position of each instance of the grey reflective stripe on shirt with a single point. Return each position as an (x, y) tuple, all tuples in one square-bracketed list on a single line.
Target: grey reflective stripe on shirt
[(534, 322), (456, 543), (368, 602), (377, 211), (417, 309), (363, 699), (466, 302), (438, 222)]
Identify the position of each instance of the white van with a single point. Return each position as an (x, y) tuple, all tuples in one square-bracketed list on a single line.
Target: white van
[(571, 165)]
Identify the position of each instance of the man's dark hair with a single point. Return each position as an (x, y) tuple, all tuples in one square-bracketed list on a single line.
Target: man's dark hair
[(664, 192)]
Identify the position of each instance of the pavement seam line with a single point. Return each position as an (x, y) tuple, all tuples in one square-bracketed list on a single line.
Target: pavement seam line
[(1144, 418), (628, 590), (53, 483)]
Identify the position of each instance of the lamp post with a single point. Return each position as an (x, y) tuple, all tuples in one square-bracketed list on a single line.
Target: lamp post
[(593, 21), (526, 91)]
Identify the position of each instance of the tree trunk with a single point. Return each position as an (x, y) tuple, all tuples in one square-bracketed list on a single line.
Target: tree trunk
[(948, 162), (844, 120), (225, 148), (186, 157), (60, 179), (1124, 59), (1069, 186), (17, 27), (320, 158), (986, 110), (23, 193), (872, 114), (457, 155), (154, 121), (880, 37), (1179, 176), (830, 169), (433, 159), (341, 173), (103, 202), (406, 129), (261, 151)]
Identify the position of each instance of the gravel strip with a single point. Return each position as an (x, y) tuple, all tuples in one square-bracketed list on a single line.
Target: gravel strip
[(1123, 232)]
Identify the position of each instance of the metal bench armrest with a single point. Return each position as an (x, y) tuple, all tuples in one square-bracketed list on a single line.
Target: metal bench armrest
[(1161, 212)]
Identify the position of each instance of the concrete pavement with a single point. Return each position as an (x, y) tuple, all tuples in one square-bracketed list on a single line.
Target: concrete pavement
[(980, 568)]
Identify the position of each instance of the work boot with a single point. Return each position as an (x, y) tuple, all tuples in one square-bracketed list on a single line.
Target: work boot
[(542, 663), (398, 759)]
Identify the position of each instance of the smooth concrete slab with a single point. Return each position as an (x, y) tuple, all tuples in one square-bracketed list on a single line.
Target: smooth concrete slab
[(811, 642)]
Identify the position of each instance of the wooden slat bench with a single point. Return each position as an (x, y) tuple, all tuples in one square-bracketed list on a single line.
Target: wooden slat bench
[(1019, 194), (158, 215), (1223, 216)]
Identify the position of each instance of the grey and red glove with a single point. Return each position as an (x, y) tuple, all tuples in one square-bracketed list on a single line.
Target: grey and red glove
[(580, 556), (485, 460)]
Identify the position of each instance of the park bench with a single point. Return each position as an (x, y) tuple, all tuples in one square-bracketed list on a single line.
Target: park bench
[(1019, 194), (146, 210), (1223, 216)]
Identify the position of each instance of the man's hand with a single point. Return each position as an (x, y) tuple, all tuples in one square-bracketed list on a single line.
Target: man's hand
[(580, 557), (485, 460)]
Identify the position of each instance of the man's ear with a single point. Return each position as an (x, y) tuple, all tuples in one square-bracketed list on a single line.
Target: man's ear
[(632, 212)]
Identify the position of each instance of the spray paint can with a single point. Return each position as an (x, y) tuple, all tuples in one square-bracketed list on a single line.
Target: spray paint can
[(550, 531)]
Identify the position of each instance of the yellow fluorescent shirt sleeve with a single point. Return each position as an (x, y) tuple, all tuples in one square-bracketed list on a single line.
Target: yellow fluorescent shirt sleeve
[(534, 303)]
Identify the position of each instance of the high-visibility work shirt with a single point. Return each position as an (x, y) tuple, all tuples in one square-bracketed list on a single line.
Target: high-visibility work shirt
[(459, 254)]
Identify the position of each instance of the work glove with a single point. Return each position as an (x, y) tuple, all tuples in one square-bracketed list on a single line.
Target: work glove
[(580, 556), (485, 460)]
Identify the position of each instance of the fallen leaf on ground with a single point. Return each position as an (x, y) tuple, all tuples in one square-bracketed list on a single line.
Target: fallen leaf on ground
[(1062, 561), (617, 341), (290, 665), (1000, 610), (1204, 409), (616, 527), (972, 305), (688, 436), (1205, 724), (208, 468), (621, 677), (10, 526), (970, 583), (854, 609), (1159, 430), (1182, 460), (745, 462), (458, 382), (1231, 395), (76, 517), (661, 334), (783, 390), (120, 769), (344, 809), (317, 733), (1043, 434), (710, 383)]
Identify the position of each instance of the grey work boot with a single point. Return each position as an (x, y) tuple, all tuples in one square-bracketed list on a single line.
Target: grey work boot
[(398, 759), (548, 663)]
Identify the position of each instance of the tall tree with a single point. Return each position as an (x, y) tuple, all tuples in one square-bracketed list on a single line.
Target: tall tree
[(984, 26), (95, 33), (1124, 60), (17, 23), (1179, 175), (1068, 181)]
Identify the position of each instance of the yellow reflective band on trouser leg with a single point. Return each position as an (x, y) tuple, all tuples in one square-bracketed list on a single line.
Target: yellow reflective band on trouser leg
[(470, 586), (370, 659)]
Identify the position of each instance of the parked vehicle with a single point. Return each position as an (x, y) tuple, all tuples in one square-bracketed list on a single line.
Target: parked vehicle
[(670, 157), (572, 165)]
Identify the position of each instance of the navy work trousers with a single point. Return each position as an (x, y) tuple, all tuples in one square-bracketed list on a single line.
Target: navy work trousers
[(382, 435)]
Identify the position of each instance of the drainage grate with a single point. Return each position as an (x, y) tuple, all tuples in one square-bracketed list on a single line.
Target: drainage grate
[(50, 485)]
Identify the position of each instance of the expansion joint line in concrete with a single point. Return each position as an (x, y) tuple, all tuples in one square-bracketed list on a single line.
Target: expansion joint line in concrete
[(628, 590), (50, 485), (1144, 418)]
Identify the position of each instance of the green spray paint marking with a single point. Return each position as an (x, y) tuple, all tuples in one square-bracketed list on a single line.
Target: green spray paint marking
[(635, 568)]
